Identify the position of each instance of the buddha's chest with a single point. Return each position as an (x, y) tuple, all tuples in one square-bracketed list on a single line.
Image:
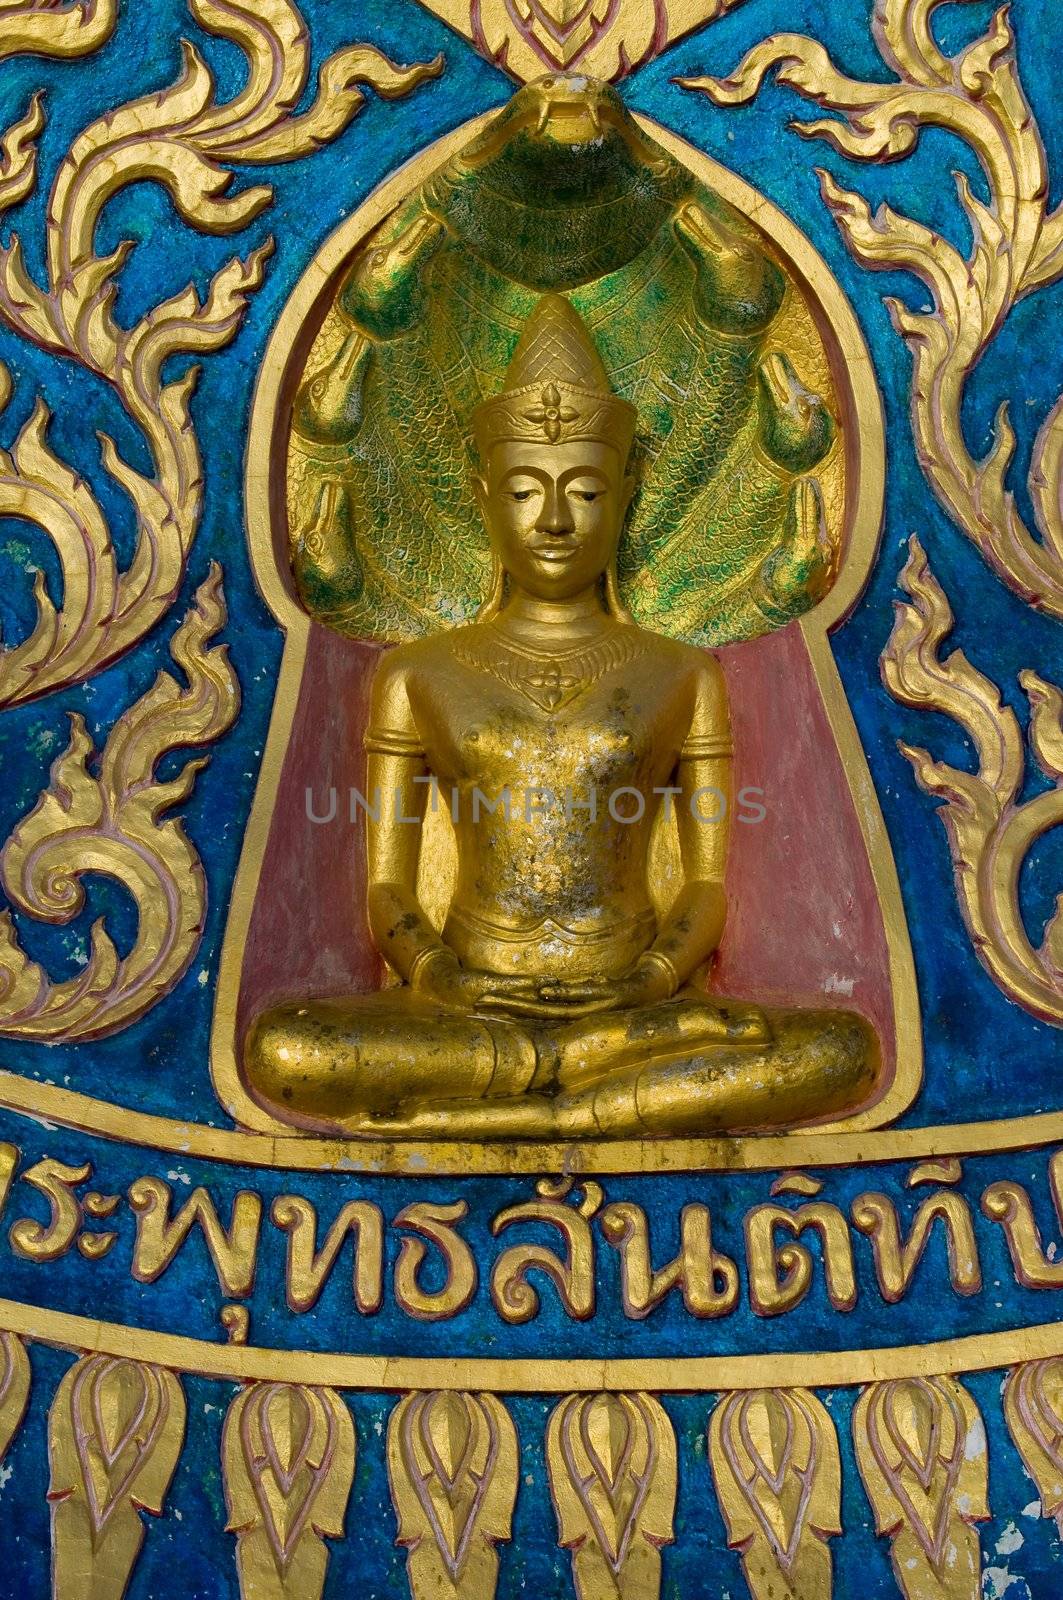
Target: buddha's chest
[(495, 734)]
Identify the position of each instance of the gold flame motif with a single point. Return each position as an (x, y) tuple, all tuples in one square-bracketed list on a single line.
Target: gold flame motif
[(990, 830), (1017, 248), (115, 1432), (453, 1464), (43, 28), (110, 823), (184, 140), (775, 1463), (288, 1454)]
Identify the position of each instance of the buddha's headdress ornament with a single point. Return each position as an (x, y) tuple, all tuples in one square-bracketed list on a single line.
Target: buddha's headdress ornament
[(556, 388)]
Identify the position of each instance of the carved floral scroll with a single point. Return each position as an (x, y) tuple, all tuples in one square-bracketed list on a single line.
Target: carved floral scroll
[(185, 140), (991, 829), (1017, 248), (43, 28), (112, 822)]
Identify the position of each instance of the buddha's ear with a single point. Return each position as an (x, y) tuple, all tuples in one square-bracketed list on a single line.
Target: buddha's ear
[(479, 489), (627, 489)]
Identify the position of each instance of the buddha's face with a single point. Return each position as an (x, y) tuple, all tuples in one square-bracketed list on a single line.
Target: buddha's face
[(554, 513)]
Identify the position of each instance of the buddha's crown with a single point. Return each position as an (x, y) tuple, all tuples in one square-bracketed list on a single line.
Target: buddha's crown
[(556, 388)]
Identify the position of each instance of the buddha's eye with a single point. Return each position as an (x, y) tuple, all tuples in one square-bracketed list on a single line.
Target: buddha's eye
[(520, 495), (589, 495)]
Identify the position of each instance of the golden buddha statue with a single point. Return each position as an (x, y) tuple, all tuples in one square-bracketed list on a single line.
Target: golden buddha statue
[(554, 1003)]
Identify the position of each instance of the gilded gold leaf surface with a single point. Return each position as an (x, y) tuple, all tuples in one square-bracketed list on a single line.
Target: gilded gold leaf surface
[(14, 1388), (608, 38), (43, 28), (452, 1464), (1017, 247), (1033, 1410), (921, 1450), (112, 821), (612, 1465), (775, 1463)]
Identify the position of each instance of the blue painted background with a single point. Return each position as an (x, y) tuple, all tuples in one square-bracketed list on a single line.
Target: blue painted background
[(984, 1055), (978, 1043)]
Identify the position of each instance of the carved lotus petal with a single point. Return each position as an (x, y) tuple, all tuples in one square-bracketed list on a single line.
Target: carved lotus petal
[(771, 1447), (287, 1429), (563, 17), (288, 1443), (448, 1436), (14, 1387), (916, 1433), (119, 1403), (1033, 1406), (1044, 1410), (117, 1410), (449, 1446), (912, 1415), (607, 1436), (609, 1450), (768, 1433)]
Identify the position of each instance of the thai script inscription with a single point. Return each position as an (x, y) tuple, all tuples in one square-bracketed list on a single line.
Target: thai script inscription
[(786, 1240)]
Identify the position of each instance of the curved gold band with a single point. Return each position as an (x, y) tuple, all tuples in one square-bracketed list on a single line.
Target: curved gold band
[(810, 1147), (692, 1374)]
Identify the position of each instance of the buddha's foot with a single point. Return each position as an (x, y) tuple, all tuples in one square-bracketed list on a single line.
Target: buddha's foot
[(817, 1064), (521, 1117)]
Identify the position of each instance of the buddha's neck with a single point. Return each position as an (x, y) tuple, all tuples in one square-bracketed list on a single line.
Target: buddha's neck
[(582, 616)]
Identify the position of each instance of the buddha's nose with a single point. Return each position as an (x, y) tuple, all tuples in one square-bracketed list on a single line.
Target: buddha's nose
[(556, 516)]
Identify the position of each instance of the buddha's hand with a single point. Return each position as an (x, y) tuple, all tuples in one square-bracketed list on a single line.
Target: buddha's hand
[(441, 976), (650, 981)]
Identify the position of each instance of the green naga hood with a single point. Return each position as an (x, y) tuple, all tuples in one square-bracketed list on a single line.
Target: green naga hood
[(562, 191)]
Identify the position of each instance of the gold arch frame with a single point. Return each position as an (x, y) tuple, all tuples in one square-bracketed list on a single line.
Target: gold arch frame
[(865, 445), (268, 1142)]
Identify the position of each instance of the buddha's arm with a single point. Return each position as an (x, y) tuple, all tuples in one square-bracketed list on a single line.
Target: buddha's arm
[(401, 931), (394, 822), (397, 789), (691, 931)]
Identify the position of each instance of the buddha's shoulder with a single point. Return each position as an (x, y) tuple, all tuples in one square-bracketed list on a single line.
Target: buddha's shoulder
[(677, 656), (416, 655)]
